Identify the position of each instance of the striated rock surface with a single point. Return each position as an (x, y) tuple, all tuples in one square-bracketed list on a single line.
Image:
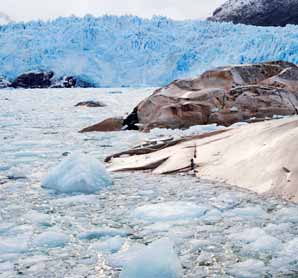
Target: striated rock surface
[(258, 12), (224, 96), (261, 157)]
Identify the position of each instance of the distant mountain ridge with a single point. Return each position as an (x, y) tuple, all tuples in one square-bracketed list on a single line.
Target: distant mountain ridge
[(113, 51), (258, 12)]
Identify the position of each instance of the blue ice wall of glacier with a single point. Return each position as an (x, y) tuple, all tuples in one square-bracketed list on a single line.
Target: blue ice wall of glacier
[(130, 51)]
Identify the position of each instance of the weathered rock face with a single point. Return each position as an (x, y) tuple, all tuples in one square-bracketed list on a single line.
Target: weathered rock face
[(111, 124), (261, 157), (258, 12), (225, 95), (4, 83), (33, 80)]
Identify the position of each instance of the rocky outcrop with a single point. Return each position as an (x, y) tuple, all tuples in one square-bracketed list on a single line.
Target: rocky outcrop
[(90, 103), (111, 124), (71, 82), (261, 157), (4, 83), (258, 12), (224, 96), (40, 79), (33, 80)]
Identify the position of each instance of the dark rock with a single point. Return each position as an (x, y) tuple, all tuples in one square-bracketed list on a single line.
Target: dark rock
[(258, 12), (111, 124), (131, 121), (4, 83), (32, 80), (90, 103), (72, 82)]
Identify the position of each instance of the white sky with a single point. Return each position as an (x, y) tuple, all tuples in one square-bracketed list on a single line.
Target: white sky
[(44, 9)]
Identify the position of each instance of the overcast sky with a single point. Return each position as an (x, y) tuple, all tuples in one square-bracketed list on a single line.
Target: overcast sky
[(44, 9)]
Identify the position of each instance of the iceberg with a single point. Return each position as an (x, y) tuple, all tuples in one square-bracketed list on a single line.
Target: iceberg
[(78, 173)]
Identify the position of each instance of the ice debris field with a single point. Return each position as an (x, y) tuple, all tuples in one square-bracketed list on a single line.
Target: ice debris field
[(126, 225), (147, 52)]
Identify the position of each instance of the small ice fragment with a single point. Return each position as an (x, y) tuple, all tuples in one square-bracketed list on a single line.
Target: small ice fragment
[(38, 218), (248, 269), (156, 260), (77, 173), (125, 256), (248, 212), (16, 174), (50, 240), (102, 232), (108, 246), (169, 211), (265, 244), (248, 235), (14, 246)]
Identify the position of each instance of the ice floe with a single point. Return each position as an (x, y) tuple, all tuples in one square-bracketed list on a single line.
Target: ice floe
[(169, 211), (50, 239)]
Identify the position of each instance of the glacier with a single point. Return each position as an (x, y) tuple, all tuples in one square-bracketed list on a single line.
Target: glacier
[(129, 51)]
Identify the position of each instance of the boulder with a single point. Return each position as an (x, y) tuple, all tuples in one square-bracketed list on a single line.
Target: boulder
[(90, 103), (258, 12), (4, 83), (224, 96), (111, 124), (33, 79)]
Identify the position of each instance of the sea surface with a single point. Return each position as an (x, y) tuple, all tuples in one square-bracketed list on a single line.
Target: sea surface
[(217, 230)]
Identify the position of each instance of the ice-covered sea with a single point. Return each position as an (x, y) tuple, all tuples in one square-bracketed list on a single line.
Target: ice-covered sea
[(135, 227)]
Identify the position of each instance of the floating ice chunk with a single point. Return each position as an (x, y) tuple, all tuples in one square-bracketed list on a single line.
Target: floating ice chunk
[(291, 248), (75, 200), (287, 215), (248, 269), (194, 130), (248, 212), (16, 245), (15, 173), (157, 260), (38, 218), (265, 244), (169, 211), (102, 232), (125, 256), (50, 240), (157, 228), (111, 245), (248, 235), (77, 173)]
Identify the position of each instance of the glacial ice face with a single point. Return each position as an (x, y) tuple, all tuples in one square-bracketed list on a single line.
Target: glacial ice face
[(147, 52), (79, 173)]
